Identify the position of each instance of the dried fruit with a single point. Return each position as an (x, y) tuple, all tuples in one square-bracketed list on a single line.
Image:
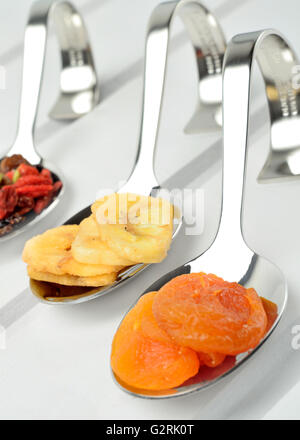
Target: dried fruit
[(8, 201), (12, 162), (57, 187), (34, 190), (208, 314), (71, 280), (32, 179), (3, 213), (145, 357), (211, 360), (26, 170), (89, 248), (47, 174), (50, 252), (10, 175), (271, 310), (138, 228), (42, 203), (28, 183), (25, 204)]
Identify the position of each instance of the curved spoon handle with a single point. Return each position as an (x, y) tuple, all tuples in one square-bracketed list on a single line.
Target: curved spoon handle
[(279, 65), (209, 46), (78, 81), (276, 60)]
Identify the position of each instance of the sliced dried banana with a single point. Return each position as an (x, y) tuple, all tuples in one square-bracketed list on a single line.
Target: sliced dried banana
[(136, 227), (70, 280), (89, 248), (50, 252)]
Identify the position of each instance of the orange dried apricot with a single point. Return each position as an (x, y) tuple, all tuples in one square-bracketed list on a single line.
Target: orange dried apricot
[(143, 355), (210, 315), (211, 360)]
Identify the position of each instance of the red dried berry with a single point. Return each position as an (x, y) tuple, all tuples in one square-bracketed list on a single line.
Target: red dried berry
[(10, 175), (43, 202), (3, 213), (47, 174), (34, 191), (26, 170), (57, 186), (8, 200), (25, 204), (32, 180)]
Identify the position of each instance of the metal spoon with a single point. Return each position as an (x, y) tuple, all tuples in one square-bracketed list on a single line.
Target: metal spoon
[(78, 82), (230, 257), (209, 46)]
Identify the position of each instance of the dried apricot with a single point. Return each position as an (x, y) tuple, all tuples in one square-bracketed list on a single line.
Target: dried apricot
[(143, 356), (211, 359), (208, 314), (271, 310)]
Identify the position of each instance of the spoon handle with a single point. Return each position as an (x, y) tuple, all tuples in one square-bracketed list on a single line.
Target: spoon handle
[(276, 60), (209, 46), (279, 66), (79, 89)]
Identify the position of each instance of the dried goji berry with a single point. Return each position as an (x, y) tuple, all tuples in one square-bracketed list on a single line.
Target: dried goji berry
[(26, 170), (271, 310), (42, 203), (3, 213), (25, 204), (10, 175), (46, 173), (8, 199), (32, 180), (34, 191), (57, 186)]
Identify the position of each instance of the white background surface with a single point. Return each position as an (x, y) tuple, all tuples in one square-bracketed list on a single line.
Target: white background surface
[(56, 363)]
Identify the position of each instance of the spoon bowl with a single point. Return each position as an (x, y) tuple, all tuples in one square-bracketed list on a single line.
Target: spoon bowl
[(208, 40), (265, 278), (229, 256)]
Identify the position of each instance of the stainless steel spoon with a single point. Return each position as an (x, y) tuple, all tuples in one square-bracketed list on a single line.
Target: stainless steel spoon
[(79, 92), (209, 46), (230, 257)]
